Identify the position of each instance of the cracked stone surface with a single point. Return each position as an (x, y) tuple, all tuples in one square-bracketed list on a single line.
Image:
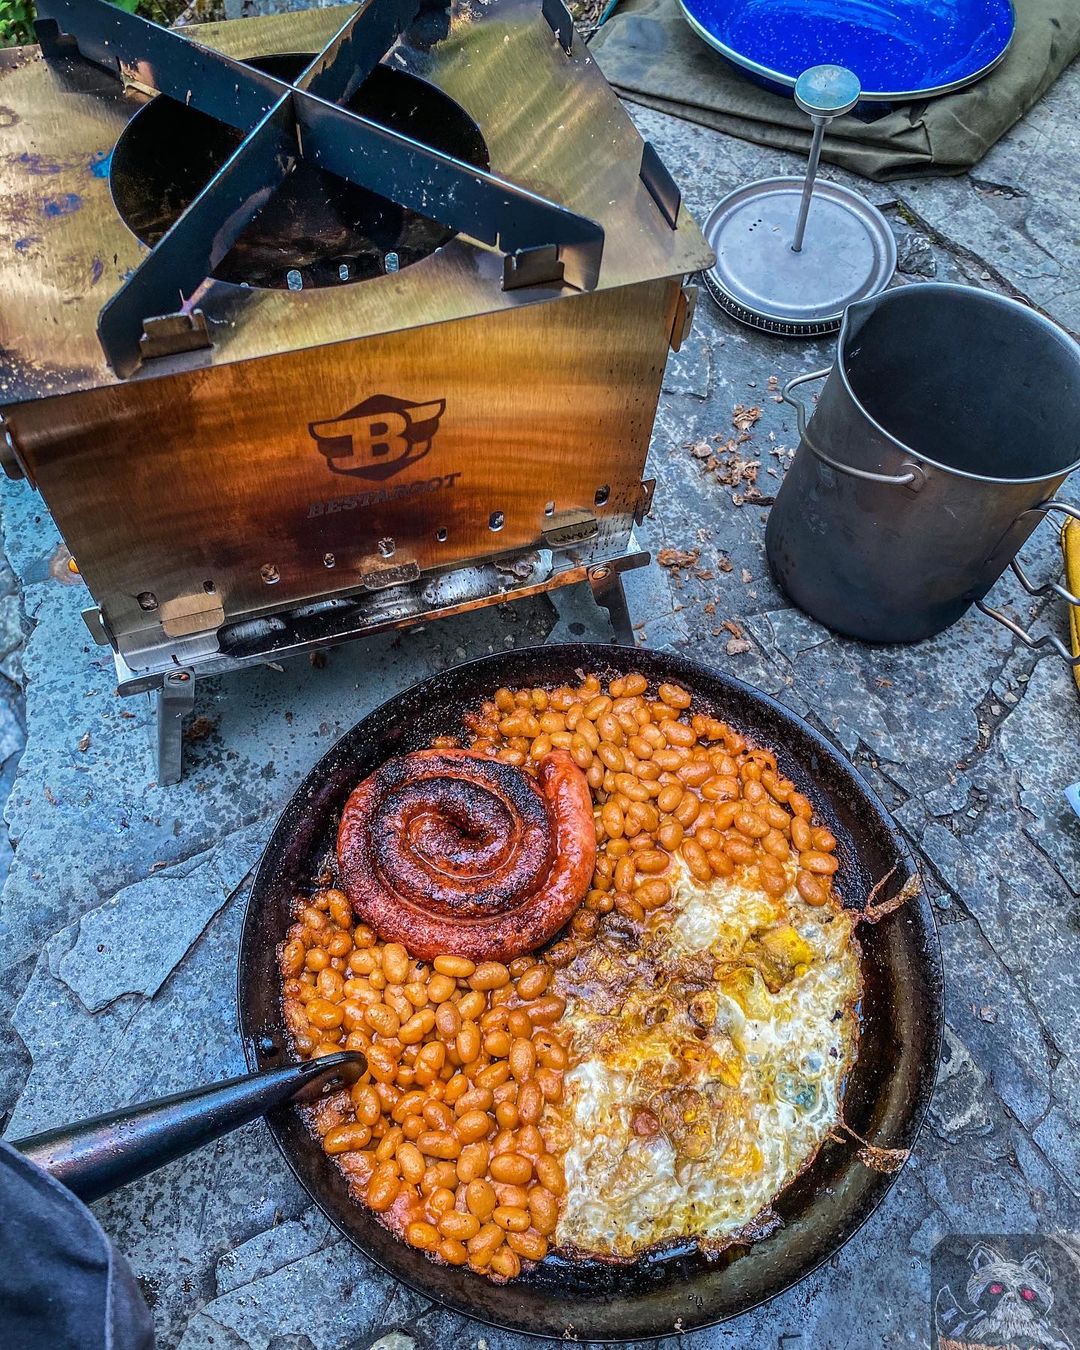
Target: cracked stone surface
[(122, 903)]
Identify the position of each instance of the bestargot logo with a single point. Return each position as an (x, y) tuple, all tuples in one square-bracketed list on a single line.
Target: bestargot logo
[(379, 437)]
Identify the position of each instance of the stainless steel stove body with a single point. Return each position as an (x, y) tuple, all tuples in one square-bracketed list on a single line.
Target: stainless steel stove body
[(304, 347)]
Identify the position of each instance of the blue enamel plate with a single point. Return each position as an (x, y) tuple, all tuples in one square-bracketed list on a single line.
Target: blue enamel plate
[(899, 49)]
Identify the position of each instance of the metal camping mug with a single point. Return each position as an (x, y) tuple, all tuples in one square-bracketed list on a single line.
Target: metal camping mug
[(948, 421)]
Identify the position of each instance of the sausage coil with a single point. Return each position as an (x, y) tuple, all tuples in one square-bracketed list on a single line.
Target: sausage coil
[(446, 851)]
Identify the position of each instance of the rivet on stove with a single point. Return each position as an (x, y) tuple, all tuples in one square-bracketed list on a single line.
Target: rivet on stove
[(391, 262), (343, 272), (442, 534), (328, 560), (603, 492), (496, 521), (294, 280), (387, 547), (147, 600), (549, 509), (270, 574)]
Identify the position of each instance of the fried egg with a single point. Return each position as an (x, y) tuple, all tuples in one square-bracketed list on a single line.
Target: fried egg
[(710, 1046)]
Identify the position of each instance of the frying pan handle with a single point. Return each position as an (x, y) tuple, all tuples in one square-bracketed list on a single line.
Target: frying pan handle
[(95, 1156)]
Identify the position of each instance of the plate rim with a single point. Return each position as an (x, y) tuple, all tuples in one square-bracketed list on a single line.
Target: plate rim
[(866, 96)]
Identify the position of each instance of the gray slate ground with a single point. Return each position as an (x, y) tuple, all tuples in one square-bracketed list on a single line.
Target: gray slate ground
[(122, 903)]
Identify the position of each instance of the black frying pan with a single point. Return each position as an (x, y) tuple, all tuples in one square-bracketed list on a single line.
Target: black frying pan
[(887, 1092)]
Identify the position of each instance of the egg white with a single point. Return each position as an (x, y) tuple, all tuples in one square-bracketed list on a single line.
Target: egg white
[(697, 1092)]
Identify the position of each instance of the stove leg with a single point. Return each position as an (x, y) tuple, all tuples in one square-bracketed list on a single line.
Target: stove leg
[(172, 702), (607, 589)]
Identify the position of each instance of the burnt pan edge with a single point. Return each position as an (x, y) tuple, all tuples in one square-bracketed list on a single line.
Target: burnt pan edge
[(887, 1093)]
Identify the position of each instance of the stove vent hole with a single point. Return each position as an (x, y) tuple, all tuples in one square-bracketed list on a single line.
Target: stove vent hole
[(549, 509), (270, 574), (442, 534), (147, 600), (496, 521), (329, 560), (603, 492)]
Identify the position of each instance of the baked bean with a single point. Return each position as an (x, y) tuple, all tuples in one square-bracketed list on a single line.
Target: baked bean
[(395, 963), (530, 1246), (551, 1053), (670, 795), (694, 857), (454, 1224), (530, 1102), (497, 1044), (417, 1027), (440, 988), (506, 1114), (485, 1244), (674, 696), (511, 1218), (489, 975), (467, 1042), (453, 1252), (439, 1144), (611, 817), (411, 1162), (522, 1059), (448, 1020), (382, 1063), (543, 1210), (547, 1009), (670, 835), (491, 1075), (775, 844), (550, 1174), (800, 806), (441, 1201), (652, 861), (480, 1199), (534, 982), (471, 1005), (383, 1189), (349, 1137), (687, 810), (323, 1014), (423, 1235), (739, 851), (801, 834), (437, 1115), (653, 894), (720, 863), (473, 1160), (549, 1081), (824, 864), (812, 889), (460, 967), (510, 1166), (382, 1019), (625, 871), (473, 1125)]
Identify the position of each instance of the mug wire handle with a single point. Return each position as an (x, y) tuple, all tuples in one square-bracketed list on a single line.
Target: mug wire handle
[(1033, 588), (913, 479)]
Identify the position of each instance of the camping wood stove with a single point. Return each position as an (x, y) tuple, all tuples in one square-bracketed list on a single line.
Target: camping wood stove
[(300, 347)]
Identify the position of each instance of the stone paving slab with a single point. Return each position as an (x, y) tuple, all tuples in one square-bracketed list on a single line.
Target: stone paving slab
[(120, 915)]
